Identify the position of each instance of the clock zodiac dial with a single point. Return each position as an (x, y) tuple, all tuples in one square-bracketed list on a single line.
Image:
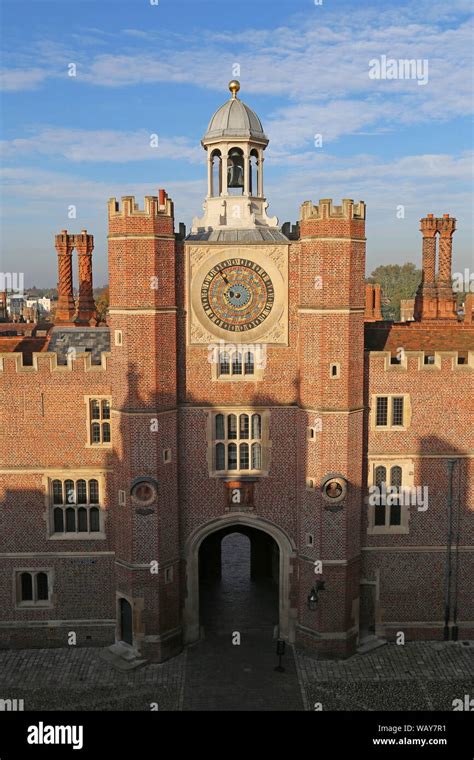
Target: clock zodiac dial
[(237, 295)]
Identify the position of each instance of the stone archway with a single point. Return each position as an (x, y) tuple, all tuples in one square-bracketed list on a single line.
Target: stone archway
[(287, 615)]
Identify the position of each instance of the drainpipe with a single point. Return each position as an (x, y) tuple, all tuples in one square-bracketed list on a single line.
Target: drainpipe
[(447, 594), (456, 573)]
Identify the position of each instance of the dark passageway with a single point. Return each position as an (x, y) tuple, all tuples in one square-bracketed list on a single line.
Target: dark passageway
[(238, 582)]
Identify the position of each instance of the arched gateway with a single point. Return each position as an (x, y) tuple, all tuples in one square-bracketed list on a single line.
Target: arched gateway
[(287, 553)]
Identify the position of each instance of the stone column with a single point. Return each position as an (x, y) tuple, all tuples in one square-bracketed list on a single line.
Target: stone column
[(66, 307), (246, 171), (260, 174), (86, 311), (211, 190)]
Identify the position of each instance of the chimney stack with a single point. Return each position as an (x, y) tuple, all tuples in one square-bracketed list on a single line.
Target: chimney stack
[(66, 307), (373, 302), (447, 308), (426, 302), (86, 311)]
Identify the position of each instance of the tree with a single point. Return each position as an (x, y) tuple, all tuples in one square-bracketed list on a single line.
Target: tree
[(102, 302), (398, 282)]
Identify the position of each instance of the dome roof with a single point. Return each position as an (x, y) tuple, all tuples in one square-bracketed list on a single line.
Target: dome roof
[(235, 119)]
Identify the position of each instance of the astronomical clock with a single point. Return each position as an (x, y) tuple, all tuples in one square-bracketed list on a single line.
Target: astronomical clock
[(237, 294)]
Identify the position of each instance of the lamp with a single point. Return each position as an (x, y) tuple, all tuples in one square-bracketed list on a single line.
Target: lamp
[(313, 595)]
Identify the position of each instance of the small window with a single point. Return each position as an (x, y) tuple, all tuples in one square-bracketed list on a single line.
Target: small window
[(256, 456), (57, 492), (249, 366), (237, 363), (94, 515), (256, 426), (310, 484), (429, 359), (309, 539), (220, 456), (169, 574), (232, 426), (244, 426), (93, 492), (395, 359), (220, 435), (244, 456), (232, 452), (81, 492), (224, 363), (382, 411), (335, 370), (118, 338), (26, 580), (32, 588), (99, 416), (166, 456), (462, 358), (122, 498), (397, 411)]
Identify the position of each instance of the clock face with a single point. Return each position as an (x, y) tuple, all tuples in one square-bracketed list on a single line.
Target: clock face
[(237, 295)]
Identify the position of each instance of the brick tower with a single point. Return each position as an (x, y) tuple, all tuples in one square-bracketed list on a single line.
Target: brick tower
[(331, 351), (144, 423)]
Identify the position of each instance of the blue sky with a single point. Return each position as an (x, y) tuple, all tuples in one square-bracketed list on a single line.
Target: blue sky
[(164, 69)]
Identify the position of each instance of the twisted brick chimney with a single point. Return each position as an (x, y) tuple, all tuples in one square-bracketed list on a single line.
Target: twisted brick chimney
[(435, 298), (66, 308), (66, 312), (86, 312)]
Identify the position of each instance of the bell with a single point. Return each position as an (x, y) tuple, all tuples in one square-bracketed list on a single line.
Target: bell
[(235, 170)]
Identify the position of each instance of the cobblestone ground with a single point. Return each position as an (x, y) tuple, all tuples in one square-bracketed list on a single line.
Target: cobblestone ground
[(78, 679), (416, 676), (215, 675)]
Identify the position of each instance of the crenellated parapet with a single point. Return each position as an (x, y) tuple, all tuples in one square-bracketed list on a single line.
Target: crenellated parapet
[(126, 218), (155, 205), (48, 361), (326, 210)]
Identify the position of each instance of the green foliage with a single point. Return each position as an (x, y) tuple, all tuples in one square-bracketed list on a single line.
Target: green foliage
[(398, 282)]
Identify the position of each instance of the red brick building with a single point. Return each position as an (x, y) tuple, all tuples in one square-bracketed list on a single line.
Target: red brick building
[(245, 381)]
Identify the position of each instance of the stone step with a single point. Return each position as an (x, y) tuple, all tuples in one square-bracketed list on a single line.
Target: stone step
[(370, 643), (122, 656)]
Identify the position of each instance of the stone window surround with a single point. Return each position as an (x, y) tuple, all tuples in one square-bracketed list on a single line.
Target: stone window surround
[(87, 401), (407, 412), (407, 467), (29, 605), (264, 441), (48, 515), (238, 378)]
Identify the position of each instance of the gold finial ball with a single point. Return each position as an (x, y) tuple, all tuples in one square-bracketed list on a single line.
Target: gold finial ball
[(234, 87)]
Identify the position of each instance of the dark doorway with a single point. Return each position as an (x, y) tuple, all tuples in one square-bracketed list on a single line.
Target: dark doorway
[(126, 629), (238, 582)]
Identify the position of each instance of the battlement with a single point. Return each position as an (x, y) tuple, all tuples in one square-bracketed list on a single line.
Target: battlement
[(155, 205), (48, 360), (425, 361), (325, 210)]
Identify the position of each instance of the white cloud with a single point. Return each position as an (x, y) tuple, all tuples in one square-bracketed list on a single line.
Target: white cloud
[(102, 146), (13, 80)]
